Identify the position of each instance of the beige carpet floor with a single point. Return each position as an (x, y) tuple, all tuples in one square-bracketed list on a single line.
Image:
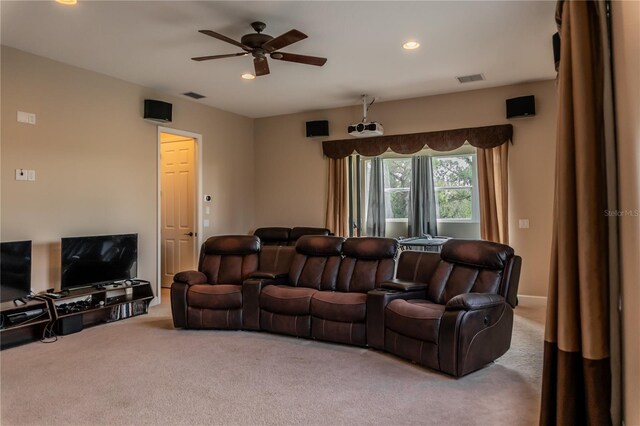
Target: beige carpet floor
[(143, 371)]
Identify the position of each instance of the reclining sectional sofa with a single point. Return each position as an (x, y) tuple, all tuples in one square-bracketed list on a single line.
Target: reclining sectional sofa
[(450, 311), (279, 236)]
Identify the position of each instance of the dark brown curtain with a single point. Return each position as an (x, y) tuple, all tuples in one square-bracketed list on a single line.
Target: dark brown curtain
[(576, 387), (442, 140)]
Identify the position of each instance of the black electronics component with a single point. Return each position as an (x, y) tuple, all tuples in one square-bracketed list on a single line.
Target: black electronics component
[(15, 270), (524, 106), (98, 260), (157, 111), (317, 128), (69, 325)]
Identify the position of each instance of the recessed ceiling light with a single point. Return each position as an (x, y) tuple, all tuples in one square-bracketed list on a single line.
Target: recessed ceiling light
[(67, 2), (248, 76), (410, 45)]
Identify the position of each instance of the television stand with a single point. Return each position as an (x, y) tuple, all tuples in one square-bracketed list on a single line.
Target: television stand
[(23, 323), (74, 309)]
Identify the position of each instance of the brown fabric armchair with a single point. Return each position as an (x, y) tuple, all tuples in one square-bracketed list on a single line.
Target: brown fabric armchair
[(211, 297), (339, 315), (463, 318)]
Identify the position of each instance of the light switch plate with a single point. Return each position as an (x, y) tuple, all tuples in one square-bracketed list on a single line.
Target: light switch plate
[(206, 223), (21, 174), (26, 117), (523, 223), (31, 175)]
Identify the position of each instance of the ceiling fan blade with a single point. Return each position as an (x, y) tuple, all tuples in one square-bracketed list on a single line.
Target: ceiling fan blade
[(230, 55), (225, 38), (284, 40), (261, 65), (301, 59)]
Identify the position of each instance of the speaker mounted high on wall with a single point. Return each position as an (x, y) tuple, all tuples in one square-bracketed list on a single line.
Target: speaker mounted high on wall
[(317, 128), (556, 50), (157, 111), (524, 106)]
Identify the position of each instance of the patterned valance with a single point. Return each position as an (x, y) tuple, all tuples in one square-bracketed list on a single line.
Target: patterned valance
[(443, 140)]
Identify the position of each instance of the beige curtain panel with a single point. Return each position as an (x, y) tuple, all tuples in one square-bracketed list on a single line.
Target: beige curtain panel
[(337, 215), (493, 188), (576, 386)]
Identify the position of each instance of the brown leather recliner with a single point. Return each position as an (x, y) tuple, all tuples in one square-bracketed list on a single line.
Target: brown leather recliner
[(278, 236), (464, 316), (285, 302), (301, 231), (339, 315), (211, 297), (273, 235)]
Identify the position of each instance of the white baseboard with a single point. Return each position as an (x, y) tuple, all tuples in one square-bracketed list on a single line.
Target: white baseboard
[(532, 300)]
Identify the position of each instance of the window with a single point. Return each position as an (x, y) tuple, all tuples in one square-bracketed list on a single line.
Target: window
[(454, 183), (455, 186), (397, 180)]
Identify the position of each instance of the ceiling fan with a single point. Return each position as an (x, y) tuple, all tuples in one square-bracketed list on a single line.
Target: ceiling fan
[(260, 45)]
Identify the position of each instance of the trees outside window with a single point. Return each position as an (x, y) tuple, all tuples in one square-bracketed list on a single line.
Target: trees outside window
[(453, 181), (396, 186)]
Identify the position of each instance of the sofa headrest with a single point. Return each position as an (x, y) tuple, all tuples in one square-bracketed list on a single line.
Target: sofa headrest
[(232, 245), (272, 233), (300, 231), (319, 245), (478, 253), (370, 248)]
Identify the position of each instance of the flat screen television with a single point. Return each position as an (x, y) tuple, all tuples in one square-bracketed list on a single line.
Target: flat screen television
[(104, 259), (15, 270)]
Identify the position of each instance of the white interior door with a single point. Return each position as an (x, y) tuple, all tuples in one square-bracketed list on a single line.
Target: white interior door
[(177, 192)]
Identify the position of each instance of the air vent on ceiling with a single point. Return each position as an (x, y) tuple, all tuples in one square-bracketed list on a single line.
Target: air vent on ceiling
[(194, 95), (470, 78)]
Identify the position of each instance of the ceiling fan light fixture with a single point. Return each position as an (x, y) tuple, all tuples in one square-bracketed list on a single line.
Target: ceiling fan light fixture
[(248, 76), (67, 2), (410, 45)]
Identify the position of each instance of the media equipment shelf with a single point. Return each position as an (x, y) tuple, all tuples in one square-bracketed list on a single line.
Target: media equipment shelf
[(21, 323), (75, 308)]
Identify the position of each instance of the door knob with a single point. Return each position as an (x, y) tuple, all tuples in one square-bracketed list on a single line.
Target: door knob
[(189, 234)]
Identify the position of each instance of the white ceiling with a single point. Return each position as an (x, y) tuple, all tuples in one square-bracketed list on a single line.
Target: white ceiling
[(150, 43)]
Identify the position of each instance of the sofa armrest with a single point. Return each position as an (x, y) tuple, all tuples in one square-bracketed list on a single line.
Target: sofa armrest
[(190, 277), (251, 289), (402, 285), (377, 301), (267, 275), (474, 301)]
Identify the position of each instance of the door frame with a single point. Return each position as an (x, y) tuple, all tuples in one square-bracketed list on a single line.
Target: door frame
[(198, 205)]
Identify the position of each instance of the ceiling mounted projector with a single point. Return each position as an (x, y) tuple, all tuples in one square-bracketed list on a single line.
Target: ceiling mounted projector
[(365, 129)]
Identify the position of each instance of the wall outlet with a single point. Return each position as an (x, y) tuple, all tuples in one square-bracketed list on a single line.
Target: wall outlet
[(523, 223)]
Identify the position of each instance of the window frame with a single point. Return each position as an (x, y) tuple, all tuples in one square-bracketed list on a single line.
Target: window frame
[(475, 197), (359, 185)]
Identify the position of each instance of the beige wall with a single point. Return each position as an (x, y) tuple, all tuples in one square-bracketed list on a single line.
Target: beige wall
[(626, 52), (95, 160), (291, 171)]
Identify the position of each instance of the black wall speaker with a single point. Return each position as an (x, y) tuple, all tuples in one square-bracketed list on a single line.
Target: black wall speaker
[(317, 128), (556, 50), (524, 106), (157, 111)]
